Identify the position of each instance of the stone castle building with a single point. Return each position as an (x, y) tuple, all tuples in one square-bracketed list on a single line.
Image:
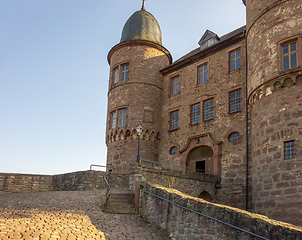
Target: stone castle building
[(231, 108)]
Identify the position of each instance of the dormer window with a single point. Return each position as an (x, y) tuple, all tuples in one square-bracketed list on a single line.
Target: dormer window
[(209, 38)]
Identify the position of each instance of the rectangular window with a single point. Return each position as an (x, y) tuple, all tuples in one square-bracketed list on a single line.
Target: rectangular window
[(175, 85), (289, 55), (125, 71), (122, 117), (203, 74), (289, 149), (174, 120), (235, 101), (195, 113), (208, 109), (235, 59), (113, 120), (115, 74)]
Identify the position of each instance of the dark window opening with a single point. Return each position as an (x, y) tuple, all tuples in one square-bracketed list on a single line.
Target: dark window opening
[(201, 166)]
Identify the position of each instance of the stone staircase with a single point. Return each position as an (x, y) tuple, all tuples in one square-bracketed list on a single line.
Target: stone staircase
[(120, 201)]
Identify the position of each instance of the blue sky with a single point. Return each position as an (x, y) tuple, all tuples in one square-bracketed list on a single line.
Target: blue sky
[(54, 72)]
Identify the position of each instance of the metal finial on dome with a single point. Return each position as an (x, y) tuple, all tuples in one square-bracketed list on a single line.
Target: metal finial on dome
[(143, 6)]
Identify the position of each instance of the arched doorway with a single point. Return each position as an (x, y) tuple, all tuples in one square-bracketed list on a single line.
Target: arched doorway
[(200, 159)]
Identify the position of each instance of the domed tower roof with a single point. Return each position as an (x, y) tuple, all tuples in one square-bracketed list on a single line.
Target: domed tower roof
[(142, 26)]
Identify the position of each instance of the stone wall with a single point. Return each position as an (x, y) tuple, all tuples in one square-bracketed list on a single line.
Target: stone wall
[(15, 183), (141, 95), (75, 181), (184, 224), (189, 183), (228, 157)]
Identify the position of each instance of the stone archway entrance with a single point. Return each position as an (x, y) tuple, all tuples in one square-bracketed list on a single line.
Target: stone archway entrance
[(200, 159), (200, 147)]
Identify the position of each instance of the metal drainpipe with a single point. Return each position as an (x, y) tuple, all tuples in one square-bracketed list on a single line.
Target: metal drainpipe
[(246, 131)]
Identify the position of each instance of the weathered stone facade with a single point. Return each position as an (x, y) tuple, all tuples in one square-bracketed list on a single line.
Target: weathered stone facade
[(274, 97), (160, 96)]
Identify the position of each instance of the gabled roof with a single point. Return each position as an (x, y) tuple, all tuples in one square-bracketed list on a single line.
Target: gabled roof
[(195, 54), (208, 35)]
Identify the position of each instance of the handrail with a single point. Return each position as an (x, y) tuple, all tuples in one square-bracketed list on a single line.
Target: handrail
[(177, 166), (108, 186), (217, 220), (95, 165)]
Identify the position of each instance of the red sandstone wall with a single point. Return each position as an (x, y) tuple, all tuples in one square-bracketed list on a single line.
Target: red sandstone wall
[(14, 183), (275, 109), (140, 94), (184, 224), (231, 157)]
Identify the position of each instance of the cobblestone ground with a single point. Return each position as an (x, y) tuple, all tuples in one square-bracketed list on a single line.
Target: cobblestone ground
[(67, 215)]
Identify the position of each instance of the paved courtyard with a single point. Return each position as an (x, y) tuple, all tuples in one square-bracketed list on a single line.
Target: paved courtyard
[(67, 215)]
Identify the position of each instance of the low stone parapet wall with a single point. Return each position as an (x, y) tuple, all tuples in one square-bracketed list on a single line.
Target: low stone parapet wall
[(184, 224), (191, 183), (74, 181), (16, 183)]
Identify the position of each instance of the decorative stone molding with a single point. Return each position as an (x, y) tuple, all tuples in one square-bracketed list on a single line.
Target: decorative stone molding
[(271, 86), (130, 133)]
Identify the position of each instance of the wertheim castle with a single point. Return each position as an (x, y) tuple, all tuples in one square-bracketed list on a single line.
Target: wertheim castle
[(232, 108)]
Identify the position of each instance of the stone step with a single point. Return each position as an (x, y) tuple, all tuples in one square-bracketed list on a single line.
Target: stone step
[(127, 210), (120, 201)]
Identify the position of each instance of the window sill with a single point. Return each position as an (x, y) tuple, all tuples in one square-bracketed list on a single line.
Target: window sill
[(290, 70), (173, 130), (194, 124), (175, 94), (232, 113), (236, 70)]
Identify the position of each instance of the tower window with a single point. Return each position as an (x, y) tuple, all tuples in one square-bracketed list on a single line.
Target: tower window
[(235, 59), (235, 101), (289, 149), (115, 75), (113, 120), (195, 113), (175, 85), (208, 109), (289, 55), (122, 117), (120, 73), (203, 73), (125, 70)]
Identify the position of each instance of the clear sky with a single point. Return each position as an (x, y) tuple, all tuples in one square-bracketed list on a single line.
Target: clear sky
[(54, 72)]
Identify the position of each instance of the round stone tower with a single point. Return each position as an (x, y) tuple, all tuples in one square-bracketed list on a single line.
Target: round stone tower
[(135, 91), (274, 80)]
